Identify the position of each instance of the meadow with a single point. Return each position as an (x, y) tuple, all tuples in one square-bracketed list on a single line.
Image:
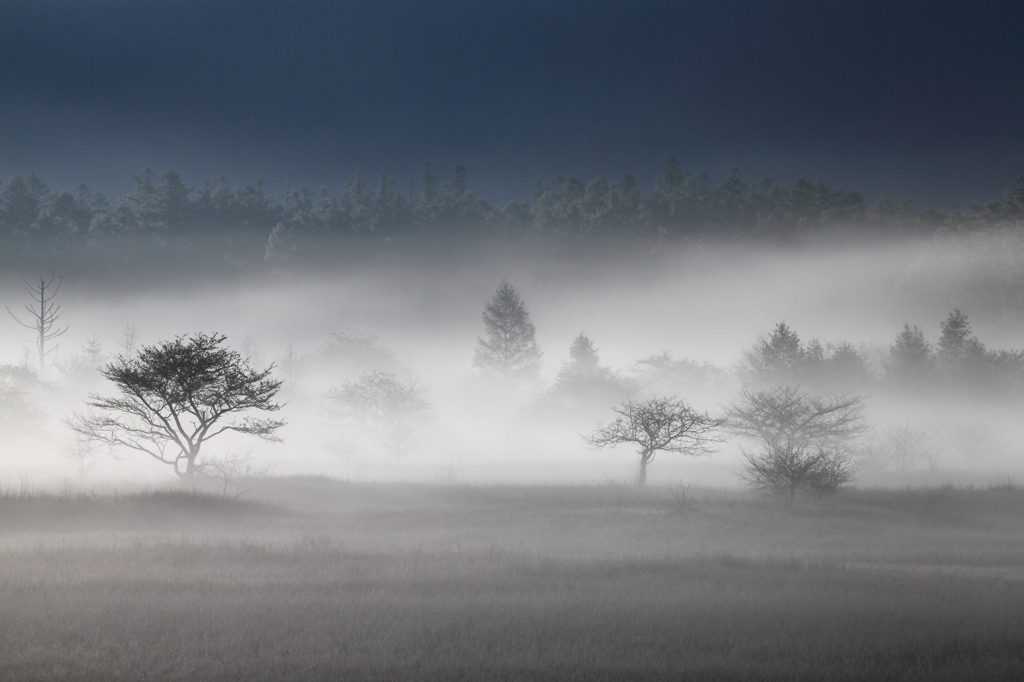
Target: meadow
[(308, 578)]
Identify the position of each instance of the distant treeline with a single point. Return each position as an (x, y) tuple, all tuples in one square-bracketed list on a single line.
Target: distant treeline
[(681, 204), (959, 361)]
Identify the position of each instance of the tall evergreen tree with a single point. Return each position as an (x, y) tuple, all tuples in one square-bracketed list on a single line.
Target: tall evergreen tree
[(956, 335), (960, 354), (583, 356), (779, 357), (24, 204), (910, 357), (510, 351)]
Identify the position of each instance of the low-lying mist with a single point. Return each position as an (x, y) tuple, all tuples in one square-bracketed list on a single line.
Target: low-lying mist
[(419, 317)]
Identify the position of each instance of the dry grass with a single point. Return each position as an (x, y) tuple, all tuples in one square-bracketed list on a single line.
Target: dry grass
[(314, 579)]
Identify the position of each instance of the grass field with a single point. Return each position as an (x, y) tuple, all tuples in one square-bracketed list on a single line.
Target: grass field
[(310, 579)]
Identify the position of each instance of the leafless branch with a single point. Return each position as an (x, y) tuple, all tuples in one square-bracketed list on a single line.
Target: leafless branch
[(658, 424)]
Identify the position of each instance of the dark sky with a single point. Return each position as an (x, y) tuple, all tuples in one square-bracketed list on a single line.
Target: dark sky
[(911, 99)]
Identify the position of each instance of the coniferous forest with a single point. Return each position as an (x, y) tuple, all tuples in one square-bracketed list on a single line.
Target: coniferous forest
[(565, 212)]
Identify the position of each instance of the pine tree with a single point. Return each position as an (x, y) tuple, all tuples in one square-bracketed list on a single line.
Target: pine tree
[(583, 358), (779, 357), (510, 351), (960, 354), (910, 357)]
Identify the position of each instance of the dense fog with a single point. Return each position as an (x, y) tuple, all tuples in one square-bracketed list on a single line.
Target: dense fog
[(419, 317)]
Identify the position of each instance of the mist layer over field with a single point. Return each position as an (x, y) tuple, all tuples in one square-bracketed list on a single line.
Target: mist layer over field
[(704, 303)]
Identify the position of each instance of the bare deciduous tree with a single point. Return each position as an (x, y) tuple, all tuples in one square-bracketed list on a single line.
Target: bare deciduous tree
[(177, 395), (786, 470), (44, 315), (390, 411), (901, 446), (128, 339), (229, 468), (657, 425), (804, 438)]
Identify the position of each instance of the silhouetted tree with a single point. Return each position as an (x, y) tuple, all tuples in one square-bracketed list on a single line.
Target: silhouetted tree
[(44, 315), (390, 411), (657, 425), (177, 395), (559, 207), (458, 211), (961, 356), (358, 202), (911, 361), (510, 350), (175, 202), (627, 204), (159, 208), (901, 446), (82, 370), (25, 204), (583, 388), (583, 359), (777, 357), (349, 354), (845, 368), (803, 438), (662, 374), (392, 212), (19, 386), (1007, 208)]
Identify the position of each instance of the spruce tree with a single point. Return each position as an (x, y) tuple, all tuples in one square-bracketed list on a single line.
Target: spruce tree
[(911, 360), (583, 358), (510, 350), (961, 356)]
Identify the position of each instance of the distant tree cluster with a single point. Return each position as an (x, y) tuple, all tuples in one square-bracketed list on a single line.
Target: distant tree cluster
[(957, 361), (681, 204), (781, 358)]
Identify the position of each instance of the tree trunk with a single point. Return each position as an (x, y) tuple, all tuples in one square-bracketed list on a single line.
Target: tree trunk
[(641, 475), (189, 474)]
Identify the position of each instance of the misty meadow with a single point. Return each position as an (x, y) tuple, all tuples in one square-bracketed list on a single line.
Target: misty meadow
[(321, 450), (522, 340)]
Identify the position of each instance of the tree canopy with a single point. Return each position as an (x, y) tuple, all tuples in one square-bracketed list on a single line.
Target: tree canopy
[(660, 424), (509, 351), (175, 396), (681, 205)]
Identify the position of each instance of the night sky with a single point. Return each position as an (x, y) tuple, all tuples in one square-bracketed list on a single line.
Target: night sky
[(921, 100)]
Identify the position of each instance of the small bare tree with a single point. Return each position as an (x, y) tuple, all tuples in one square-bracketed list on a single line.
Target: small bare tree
[(82, 452), (657, 425), (177, 395), (901, 446), (786, 470), (804, 438), (128, 339), (390, 411), (231, 467), (44, 315)]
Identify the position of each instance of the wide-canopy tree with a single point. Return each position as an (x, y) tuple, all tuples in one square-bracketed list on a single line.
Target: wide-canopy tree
[(177, 395), (660, 424)]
